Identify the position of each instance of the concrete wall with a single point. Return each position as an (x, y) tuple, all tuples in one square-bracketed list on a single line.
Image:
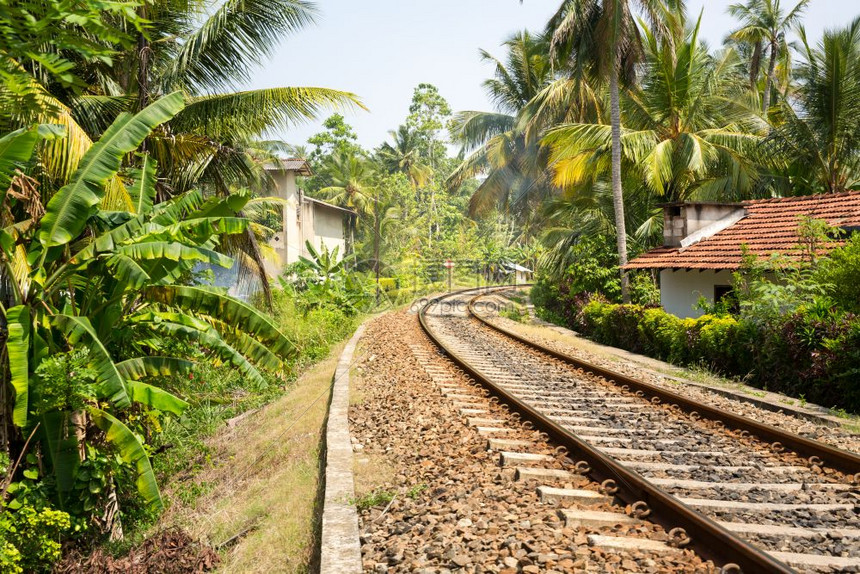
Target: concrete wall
[(329, 229), (286, 243), (680, 290), (679, 221)]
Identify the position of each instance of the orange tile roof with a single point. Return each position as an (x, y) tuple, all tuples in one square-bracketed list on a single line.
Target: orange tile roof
[(769, 227)]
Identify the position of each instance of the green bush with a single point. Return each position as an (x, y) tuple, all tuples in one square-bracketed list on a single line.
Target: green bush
[(840, 274), (813, 351), (29, 538)]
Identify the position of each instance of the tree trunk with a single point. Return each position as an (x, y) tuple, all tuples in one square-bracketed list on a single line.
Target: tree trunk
[(376, 244), (768, 84), (617, 192), (755, 65), (143, 50)]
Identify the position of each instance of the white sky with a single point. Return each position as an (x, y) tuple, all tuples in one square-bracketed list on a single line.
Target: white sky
[(382, 49)]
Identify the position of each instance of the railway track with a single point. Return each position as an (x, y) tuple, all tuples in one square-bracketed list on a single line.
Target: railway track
[(751, 497)]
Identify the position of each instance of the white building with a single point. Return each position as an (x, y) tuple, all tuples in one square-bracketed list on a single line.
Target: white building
[(304, 218), (704, 243)]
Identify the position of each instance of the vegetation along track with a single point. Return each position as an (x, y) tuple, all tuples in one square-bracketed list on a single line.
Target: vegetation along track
[(752, 497)]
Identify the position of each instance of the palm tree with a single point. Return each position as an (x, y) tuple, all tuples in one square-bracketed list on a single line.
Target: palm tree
[(602, 38), (513, 165), (405, 157), (763, 27), (689, 131), (818, 133), (689, 134), (350, 180)]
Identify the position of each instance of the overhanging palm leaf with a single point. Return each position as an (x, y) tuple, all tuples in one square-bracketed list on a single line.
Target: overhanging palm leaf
[(233, 40), (247, 114)]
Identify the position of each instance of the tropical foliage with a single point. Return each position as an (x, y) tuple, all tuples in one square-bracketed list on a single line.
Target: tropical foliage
[(125, 158)]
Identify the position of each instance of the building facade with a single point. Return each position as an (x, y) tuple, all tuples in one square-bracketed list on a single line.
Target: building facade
[(305, 219), (705, 243)]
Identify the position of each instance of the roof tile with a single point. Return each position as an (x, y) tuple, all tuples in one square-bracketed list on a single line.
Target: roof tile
[(769, 227)]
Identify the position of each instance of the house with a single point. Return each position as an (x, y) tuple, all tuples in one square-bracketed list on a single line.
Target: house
[(703, 243), (304, 218), (521, 274)]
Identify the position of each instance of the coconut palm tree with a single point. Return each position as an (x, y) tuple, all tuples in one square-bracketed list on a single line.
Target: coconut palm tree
[(689, 131), (818, 132), (513, 165), (405, 157), (350, 181), (689, 134), (602, 38), (763, 28)]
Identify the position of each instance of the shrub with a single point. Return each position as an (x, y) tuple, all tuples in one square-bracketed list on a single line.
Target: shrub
[(662, 335), (29, 538), (814, 351), (840, 274)]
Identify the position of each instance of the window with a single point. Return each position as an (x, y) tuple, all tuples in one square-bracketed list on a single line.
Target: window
[(721, 292)]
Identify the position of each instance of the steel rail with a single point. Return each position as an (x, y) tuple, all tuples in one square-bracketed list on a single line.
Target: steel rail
[(843, 460), (708, 538)]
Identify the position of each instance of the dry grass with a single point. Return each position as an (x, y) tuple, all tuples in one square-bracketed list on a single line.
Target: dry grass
[(262, 495)]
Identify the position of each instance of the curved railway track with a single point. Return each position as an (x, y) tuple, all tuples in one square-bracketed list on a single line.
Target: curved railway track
[(749, 496)]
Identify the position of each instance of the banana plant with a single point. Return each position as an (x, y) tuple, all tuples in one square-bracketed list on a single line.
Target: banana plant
[(114, 284)]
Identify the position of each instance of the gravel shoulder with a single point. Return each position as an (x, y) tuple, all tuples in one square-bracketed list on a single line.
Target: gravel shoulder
[(433, 499)]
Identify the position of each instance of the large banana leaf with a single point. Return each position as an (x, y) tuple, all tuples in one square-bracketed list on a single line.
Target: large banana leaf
[(79, 329), (171, 211), (179, 325), (128, 271), (222, 206), (141, 367), (156, 398), (61, 447), (173, 251), (131, 450), (143, 191), (16, 148), (208, 301), (18, 348), (70, 208), (248, 346)]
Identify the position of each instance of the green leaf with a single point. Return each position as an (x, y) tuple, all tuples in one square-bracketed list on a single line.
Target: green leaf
[(156, 398), (31, 473), (79, 329), (61, 447), (70, 208), (132, 452), (142, 367), (173, 251), (126, 270), (18, 347), (179, 325), (16, 148), (248, 346), (208, 301), (143, 190)]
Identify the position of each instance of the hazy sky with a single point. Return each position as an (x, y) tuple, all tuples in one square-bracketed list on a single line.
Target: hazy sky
[(382, 49)]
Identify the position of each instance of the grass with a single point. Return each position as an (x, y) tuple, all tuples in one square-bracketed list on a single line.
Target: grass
[(258, 502)]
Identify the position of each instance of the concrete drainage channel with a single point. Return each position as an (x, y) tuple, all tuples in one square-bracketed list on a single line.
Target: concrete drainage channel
[(737, 516), (340, 550)]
